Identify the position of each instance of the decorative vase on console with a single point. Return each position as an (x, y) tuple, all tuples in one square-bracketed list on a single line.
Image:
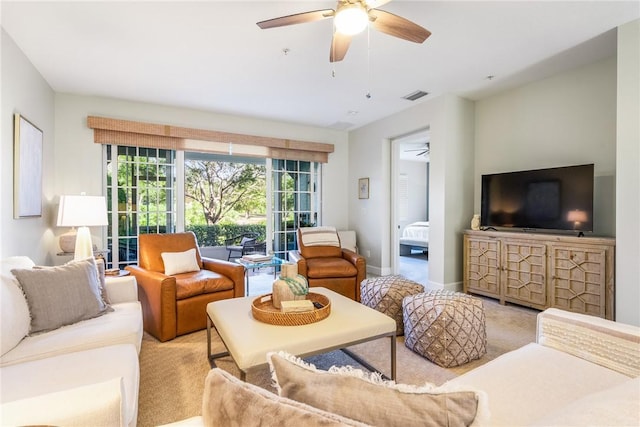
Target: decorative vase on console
[(290, 286), (475, 222)]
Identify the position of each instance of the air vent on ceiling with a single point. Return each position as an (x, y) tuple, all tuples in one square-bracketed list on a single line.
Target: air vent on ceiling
[(415, 95)]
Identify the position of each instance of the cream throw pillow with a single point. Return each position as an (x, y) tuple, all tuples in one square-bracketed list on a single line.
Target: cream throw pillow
[(227, 401), (180, 262), (367, 398)]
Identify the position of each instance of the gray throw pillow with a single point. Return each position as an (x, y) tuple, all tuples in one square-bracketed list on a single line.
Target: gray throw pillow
[(62, 295)]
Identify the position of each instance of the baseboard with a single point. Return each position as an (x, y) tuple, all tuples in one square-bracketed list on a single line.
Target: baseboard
[(377, 271), (455, 286)]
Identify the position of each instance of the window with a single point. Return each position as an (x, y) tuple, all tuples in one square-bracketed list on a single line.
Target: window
[(295, 201), (140, 198)]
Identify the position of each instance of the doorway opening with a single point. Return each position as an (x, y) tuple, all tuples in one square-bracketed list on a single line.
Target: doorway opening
[(410, 181)]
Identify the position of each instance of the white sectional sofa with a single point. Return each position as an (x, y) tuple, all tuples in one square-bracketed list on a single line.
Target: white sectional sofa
[(85, 373), (581, 371)]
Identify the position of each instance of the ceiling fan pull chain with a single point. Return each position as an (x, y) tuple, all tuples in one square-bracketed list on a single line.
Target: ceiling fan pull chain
[(368, 95)]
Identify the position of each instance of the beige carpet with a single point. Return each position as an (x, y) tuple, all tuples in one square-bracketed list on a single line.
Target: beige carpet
[(172, 373)]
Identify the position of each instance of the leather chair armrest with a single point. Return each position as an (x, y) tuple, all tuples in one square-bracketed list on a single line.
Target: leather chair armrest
[(157, 294), (297, 258), (233, 271), (360, 263)]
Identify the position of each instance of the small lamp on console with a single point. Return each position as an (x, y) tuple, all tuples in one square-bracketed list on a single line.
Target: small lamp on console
[(577, 217), (82, 212)]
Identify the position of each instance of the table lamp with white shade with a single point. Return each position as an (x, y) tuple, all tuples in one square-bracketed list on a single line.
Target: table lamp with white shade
[(82, 212)]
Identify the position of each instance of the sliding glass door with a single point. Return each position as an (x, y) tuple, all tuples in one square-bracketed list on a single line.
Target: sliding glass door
[(142, 195)]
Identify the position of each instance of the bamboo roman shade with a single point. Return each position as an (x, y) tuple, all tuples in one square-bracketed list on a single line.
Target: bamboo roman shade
[(140, 134)]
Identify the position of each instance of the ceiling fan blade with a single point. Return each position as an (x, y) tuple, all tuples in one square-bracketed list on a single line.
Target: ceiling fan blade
[(423, 152), (298, 18), (398, 26), (339, 46)]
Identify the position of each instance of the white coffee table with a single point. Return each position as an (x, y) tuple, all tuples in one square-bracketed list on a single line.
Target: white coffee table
[(248, 340)]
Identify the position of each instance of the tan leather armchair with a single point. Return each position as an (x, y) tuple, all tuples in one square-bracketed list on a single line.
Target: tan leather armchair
[(335, 268), (176, 305)]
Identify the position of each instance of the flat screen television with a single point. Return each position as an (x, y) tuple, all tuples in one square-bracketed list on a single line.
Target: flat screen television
[(545, 199)]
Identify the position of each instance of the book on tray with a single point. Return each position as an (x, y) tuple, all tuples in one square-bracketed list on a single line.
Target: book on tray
[(257, 258)]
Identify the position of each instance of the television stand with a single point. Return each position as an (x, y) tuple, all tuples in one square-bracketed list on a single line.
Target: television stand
[(541, 270)]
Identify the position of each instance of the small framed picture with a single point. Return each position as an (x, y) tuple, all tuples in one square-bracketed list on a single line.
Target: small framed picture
[(363, 188)]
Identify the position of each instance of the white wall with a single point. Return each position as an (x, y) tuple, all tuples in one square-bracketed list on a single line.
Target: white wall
[(450, 120), (417, 191), (24, 91), (567, 119), (628, 175), (73, 163)]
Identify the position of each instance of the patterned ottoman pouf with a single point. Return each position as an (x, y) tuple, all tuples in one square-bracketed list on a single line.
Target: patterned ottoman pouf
[(385, 294), (446, 327)]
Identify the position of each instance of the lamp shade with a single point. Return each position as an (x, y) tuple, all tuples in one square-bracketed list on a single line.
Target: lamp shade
[(82, 211), (577, 216)]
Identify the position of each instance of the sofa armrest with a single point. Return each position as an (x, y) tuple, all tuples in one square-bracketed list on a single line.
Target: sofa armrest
[(157, 294), (296, 257), (101, 404), (360, 263), (232, 270), (121, 289), (607, 343)]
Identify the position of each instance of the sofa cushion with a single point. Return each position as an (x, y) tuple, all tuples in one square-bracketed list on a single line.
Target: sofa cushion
[(614, 406), (14, 311), (77, 369), (121, 326), (62, 295), (534, 380), (102, 405), (180, 262), (228, 401), (332, 267), (201, 282), (367, 398)]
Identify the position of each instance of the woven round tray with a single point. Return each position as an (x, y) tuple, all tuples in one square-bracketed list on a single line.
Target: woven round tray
[(263, 310)]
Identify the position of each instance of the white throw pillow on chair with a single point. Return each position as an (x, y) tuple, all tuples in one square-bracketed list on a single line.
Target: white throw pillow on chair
[(180, 262)]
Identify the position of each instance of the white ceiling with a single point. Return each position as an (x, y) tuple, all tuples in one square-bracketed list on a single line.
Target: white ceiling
[(210, 55)]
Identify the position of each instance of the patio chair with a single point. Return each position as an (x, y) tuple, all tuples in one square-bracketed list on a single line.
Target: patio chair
[(241, 245)]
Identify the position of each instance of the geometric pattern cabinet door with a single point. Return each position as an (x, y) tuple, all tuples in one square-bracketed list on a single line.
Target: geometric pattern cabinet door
[(482, 266), (524, 278), (578, 279)]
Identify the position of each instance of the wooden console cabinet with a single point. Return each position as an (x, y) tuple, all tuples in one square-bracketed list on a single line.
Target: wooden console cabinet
[(542, 270)]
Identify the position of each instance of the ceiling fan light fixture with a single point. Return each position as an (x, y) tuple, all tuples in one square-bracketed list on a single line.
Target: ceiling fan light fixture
[(351, 19)]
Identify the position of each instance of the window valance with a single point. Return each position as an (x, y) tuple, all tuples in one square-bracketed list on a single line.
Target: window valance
[(140, 134)]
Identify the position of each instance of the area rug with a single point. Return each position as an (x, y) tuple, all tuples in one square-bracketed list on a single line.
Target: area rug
[(172, 373)]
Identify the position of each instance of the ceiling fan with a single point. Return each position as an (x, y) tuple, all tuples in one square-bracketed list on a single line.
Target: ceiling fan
[(351, 17), (423, 151)]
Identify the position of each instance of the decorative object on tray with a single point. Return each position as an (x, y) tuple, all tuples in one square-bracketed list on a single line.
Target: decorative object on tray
[(290, 286), (257, 258), (263, 310)]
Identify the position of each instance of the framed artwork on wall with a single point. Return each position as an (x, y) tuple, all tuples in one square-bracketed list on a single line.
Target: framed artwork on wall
[(27, 168), (363, 188)]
